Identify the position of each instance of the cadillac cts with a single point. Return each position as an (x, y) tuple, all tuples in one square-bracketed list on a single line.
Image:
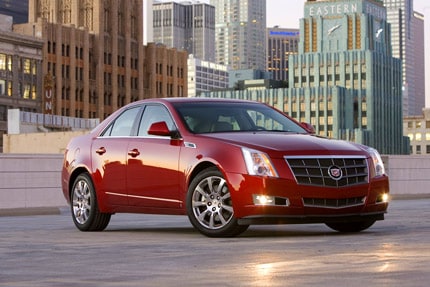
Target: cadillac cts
[(226, 164)]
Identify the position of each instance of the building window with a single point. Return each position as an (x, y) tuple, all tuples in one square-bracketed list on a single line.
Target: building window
[(26, 91), (2, 87), (27, 66), (418, 124), (9, 89), (418, 136), (2, 62), (428, 149), (418, 149)]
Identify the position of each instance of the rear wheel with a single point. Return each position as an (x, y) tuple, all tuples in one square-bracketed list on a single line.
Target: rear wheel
[(209, 205), (85, 211), (351, 227)]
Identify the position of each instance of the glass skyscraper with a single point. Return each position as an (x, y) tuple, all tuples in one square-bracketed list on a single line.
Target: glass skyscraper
[(400, 15), (188, 26), (281, 43), (240, 31)]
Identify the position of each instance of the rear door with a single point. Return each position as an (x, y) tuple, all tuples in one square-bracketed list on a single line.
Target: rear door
[(109, 158)]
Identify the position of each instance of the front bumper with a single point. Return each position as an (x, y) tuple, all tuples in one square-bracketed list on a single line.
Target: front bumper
[(306, 204), (291, 219)]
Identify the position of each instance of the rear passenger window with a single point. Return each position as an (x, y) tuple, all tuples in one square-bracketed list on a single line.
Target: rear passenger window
[(123, 124)]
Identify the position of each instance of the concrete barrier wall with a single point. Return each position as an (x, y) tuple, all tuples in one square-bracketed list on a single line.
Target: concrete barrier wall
[(409, 175), (30, 180), (33, 180)]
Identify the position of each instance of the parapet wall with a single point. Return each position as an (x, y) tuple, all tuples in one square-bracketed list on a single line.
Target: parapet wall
[(409, 174), (33, 180), (30, 180)]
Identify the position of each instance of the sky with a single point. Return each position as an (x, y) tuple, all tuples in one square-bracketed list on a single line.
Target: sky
[(286, 14)]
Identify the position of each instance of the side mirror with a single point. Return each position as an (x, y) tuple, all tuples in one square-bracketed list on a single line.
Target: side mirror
[(308, 127), (159, 129)]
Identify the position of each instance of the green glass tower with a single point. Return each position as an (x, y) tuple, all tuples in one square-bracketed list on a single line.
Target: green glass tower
[(347, 44)]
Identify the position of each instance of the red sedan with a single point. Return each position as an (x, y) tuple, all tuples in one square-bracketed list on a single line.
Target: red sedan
[(226, 164)]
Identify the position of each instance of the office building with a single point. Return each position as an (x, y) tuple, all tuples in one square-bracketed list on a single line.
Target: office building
[(188, 26), (204, 76), (148, 33), (419, 62), (236, 77), (417, 128), (400, 15), (344, 80), (240, 29), (281, 43), (20, 73)]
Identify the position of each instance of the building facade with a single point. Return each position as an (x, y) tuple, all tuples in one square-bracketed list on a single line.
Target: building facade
[(20, 73), (188, 25), (281, 43), (240, 29), (417, 128), (400, 15), (94, 60), (205, 76), (419, 62), (344, 80)]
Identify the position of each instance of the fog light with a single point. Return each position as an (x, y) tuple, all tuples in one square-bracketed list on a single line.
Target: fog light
[(383, 198), (260, 199)]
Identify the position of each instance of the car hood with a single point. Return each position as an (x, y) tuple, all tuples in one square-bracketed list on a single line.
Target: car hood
[(278, 144)]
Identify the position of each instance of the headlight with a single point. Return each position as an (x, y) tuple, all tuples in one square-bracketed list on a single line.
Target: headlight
[(377, 162), (258, 163)]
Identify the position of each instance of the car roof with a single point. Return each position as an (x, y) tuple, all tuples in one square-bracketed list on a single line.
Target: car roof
[(190, 100)]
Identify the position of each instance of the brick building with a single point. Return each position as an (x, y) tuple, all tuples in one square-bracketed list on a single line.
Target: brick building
[(94, 60)]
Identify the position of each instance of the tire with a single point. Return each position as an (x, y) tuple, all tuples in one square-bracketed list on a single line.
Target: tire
[(350, 227), (85, 211), (209, 205)]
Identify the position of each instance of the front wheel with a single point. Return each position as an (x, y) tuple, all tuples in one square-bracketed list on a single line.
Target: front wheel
[(209, 205), (351, 227), (85, 211)]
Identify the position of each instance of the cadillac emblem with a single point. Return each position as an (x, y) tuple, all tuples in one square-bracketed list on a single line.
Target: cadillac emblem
[(335, 172)]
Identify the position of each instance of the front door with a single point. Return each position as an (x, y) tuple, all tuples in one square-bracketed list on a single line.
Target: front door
[(152, 171)]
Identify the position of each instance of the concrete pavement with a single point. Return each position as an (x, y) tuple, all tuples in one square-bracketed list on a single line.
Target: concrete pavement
[(152, 250)]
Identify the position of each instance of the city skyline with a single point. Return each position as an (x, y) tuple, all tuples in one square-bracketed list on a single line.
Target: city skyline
[(344, 80)]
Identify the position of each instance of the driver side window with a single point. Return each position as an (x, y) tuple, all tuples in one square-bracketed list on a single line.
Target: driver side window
[(154, 114)]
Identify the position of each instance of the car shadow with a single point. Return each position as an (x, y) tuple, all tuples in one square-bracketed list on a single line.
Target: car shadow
[(252, 232)]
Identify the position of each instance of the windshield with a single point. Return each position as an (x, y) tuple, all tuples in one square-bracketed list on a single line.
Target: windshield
[(212, 117)]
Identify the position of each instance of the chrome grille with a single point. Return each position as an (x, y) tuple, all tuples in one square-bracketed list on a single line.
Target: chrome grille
[(315, 170), (334, 203)]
